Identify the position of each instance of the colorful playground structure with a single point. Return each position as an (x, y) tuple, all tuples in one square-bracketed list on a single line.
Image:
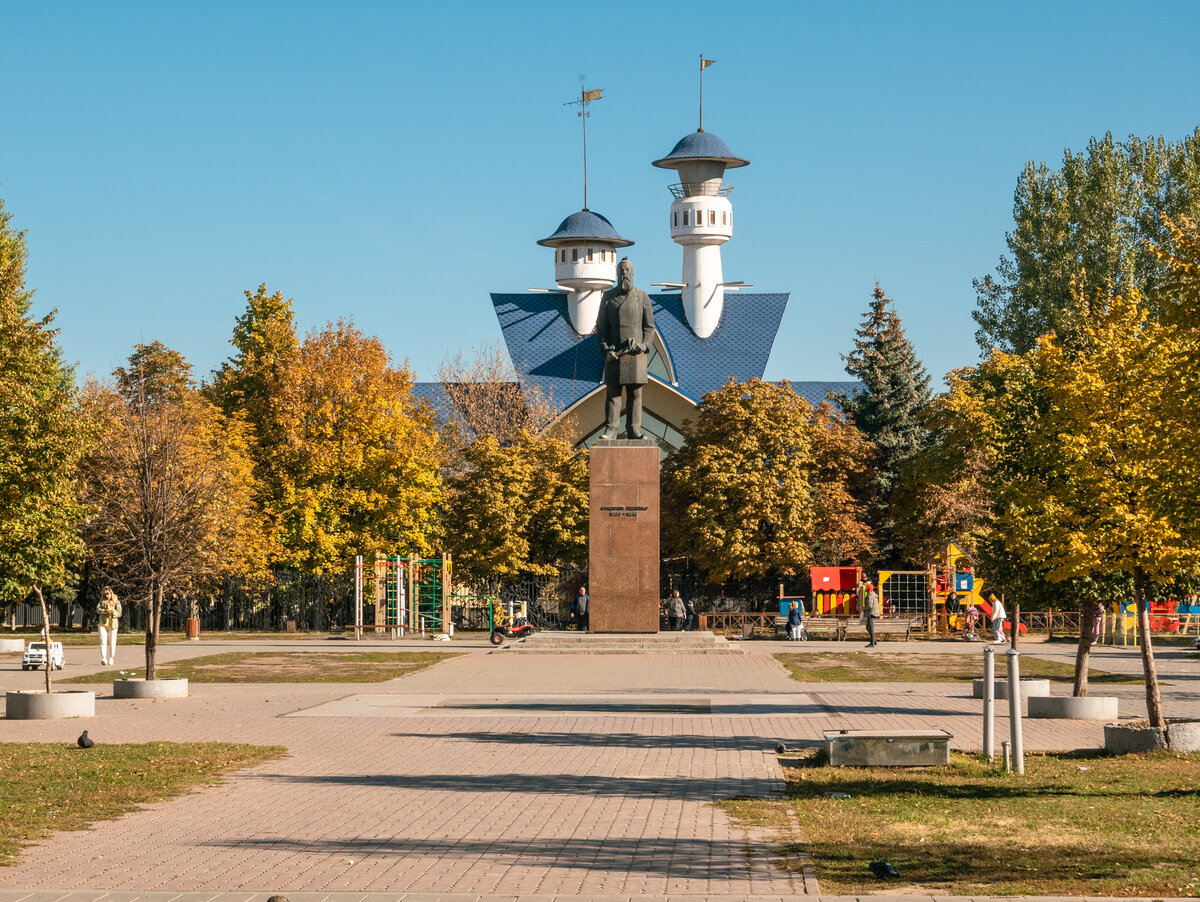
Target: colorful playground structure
[(1119, 623), (939, 596), (402, 594)]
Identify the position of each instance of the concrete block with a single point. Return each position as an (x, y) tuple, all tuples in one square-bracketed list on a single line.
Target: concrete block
[(150, 688), (888, 748), (1029, 688), (25, 704), (1092, 707)]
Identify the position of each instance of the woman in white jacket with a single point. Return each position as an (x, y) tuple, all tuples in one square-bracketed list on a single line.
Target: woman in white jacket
[(998, 617)]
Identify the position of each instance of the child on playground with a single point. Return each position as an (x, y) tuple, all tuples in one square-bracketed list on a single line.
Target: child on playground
[(971, 630)]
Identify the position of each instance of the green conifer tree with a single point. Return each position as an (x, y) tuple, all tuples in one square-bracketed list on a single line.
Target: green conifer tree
[(887, 410)]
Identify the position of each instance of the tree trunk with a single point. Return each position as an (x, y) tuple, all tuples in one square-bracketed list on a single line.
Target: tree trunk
[(81, 596), (37, 590), (154, 615), (1153, 696), (1083, 653)]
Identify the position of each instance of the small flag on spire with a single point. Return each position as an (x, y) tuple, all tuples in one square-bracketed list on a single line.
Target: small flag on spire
[(593, 95), (704, 64)]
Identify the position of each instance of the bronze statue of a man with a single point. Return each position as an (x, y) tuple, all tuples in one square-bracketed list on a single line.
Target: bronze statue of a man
[(625, 330)]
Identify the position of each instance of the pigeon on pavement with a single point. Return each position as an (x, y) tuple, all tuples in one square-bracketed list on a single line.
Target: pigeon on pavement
[(84, 741)]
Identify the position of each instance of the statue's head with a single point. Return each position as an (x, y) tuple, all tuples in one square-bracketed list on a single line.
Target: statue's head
[(625, 274)]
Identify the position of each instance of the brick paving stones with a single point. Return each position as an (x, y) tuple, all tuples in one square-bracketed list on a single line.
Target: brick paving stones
[(487, 775)]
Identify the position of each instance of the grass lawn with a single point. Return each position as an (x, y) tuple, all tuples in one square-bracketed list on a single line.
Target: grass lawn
[(74, 638), (862, 667), (1107, 826), (286, 667), (50, 786)]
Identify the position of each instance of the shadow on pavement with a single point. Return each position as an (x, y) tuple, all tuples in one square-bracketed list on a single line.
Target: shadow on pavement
[(682, 859), (633, 785), (564, 738)]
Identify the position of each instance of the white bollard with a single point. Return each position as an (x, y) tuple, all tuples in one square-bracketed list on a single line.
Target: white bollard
[(1014, 710), (989, 702)]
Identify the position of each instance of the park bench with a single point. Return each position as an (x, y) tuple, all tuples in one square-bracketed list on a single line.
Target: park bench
[(893, 626), (815, 627)]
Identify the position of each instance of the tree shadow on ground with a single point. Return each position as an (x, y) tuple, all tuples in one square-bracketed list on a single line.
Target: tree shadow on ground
[(631, 785), (709, 861), (613, 739)]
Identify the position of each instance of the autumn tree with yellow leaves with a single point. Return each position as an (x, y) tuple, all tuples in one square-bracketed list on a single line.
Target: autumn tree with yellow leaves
[(737, 497), (169, 484), (842, 458), (518, 507), (1103, 492), (357, 453)]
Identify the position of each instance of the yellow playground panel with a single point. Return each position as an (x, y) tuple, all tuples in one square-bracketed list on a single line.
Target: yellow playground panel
[(922, 593)]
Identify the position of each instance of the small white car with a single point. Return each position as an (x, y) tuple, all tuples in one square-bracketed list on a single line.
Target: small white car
[(35, 656)]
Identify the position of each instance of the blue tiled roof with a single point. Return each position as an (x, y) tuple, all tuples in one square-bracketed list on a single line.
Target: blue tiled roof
[(813, 392), (564, 366), (816, 392), (583, 225), (431, 393), (700, 146)]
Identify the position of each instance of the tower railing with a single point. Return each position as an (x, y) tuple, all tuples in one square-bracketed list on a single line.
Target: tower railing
[(701, 189)]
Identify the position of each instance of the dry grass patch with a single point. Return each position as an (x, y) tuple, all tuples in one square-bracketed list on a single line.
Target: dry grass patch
[(1072, 825), (864, 667), (78, 638), (46, 787), (286, 667)]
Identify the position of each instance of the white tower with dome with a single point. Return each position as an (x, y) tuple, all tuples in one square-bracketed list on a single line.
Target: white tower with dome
[(585, 264), (701, 221)]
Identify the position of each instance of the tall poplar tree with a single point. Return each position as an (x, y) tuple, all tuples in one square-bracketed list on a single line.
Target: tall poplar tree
[(887, 410), (1088, 223), (41, 439)]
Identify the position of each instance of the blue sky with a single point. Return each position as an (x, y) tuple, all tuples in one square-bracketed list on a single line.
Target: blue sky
[(395, 162)]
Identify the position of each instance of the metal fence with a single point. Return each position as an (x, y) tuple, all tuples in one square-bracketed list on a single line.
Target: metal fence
[(307, 601)]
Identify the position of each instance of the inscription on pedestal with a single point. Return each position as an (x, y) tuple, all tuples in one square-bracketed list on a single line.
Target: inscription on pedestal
[(623, 548)]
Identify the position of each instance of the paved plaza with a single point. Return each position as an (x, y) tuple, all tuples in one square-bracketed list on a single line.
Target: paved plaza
[(497, 774)]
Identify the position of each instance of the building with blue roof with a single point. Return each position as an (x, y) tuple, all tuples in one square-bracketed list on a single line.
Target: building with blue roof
[(707, 330)]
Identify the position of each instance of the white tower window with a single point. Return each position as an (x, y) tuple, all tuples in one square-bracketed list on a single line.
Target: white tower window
[(723, 222), (675, 221), (685, 217), (712, 217)]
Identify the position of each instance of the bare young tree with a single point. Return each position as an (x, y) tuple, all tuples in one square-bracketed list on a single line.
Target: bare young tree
[(482, 397), (170, 485)]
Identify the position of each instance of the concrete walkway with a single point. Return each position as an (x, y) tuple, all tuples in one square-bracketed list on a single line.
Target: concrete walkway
[(489, 775)]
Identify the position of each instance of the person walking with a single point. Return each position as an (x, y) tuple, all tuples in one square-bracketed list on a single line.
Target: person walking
[(872, 614), (690, 618), (676, 611), (109, 611), (795, 621), (999, 615), (581, 610)]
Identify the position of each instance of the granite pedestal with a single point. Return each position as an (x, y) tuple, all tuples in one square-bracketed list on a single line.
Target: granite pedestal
[(623, 569)]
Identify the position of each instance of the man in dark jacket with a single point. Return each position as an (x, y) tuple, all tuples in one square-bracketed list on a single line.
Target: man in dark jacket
[(581, 609)]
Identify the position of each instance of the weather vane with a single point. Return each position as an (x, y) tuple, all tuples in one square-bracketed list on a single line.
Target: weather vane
[(704, 64), (585, 97)]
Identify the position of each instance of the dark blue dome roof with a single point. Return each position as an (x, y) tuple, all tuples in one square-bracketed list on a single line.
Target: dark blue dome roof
[(700, 146), (585, 225)]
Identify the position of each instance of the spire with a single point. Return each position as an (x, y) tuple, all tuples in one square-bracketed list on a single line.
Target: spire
[(585, 97)]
